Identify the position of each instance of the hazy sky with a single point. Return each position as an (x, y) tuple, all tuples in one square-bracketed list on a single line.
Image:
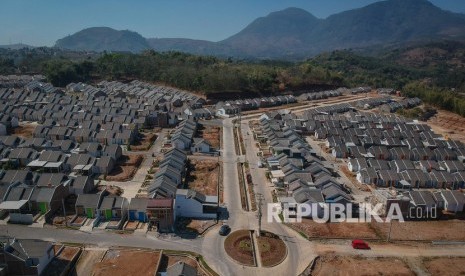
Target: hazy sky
[(42, 22)]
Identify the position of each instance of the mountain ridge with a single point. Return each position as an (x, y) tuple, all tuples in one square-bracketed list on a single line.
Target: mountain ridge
[(294, 33)]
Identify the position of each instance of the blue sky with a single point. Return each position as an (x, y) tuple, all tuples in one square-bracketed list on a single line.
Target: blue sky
[(42, 22)]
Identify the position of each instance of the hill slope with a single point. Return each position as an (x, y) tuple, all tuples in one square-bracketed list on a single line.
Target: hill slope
[(294, 33), (103, 38)]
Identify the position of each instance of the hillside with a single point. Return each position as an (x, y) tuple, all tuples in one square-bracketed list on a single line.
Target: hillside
[(99, 39), (295, 34), (280, 34)]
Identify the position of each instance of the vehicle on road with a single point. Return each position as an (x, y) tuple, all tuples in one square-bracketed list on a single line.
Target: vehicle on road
[(360, 244), (224, 230)]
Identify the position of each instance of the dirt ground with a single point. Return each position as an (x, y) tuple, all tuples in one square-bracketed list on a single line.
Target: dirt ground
[(448, 124), (332, 264), (238, 247), (144, 144), (203, 177), (200, 225), (172, 259), (212, 135), (272, 249), (451, 230), (87, 261), (126, 168), (112, 190), (62, 260), (335, 230), (24, 130), (445, 266), (122, 262), (353, 179)]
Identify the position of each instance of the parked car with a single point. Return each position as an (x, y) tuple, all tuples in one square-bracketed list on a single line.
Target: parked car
[(224, 230), (360, 244)]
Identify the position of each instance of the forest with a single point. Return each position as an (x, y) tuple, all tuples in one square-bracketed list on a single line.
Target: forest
[(433, 72)]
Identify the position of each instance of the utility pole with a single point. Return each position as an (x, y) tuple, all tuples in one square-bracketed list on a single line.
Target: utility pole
[(389, 234), (260, 199)]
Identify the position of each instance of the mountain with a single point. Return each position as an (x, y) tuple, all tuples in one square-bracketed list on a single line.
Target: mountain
[(280, 33), (16, 46), (392, 21), (103, 38), (198, 47), (294, 33)]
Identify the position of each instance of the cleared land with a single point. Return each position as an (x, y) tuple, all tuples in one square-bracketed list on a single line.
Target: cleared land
[(24, 130), (203, 177), (168, 260), (62, 261), (87, 261), (272, 249), (332, 264), (124, 262), (145, 142), (335, 230), (211, 134), (450, 230), (125, 168), (238, 245), (445, 266), (448, 124)]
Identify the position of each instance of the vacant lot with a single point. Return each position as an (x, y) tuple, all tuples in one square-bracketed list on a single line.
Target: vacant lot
[(127, 262), (451, 230), (335, 230), (87, 261), (25, 130), (203, 176), (126, 168), (145, 142), (445, 266), (168, 260), (62, 261), (331, 264), (211, 134), (448, 124)]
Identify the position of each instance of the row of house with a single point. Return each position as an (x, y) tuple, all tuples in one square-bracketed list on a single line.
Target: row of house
[(232, 108), (295, 169)]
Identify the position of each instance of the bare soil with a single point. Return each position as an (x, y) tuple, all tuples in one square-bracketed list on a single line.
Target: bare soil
[(445, 266), (211, 134), (203, 177), (62, 261), (112, 190), (124, 262), (450, 230), (187, 226), (131, 225), (272, 249), (448, 124), (126, 168), (24, 130), (87, 261), (332, 264), (237, 245), (345, 230), (145, 142)]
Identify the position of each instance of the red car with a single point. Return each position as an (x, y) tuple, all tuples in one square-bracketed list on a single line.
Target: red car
[(360, 244)]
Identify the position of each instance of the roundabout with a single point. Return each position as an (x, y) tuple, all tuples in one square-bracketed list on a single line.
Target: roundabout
[(244, 247)]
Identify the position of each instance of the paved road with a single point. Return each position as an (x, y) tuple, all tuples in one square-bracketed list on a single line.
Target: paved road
[(300, 251), (132, 186)]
